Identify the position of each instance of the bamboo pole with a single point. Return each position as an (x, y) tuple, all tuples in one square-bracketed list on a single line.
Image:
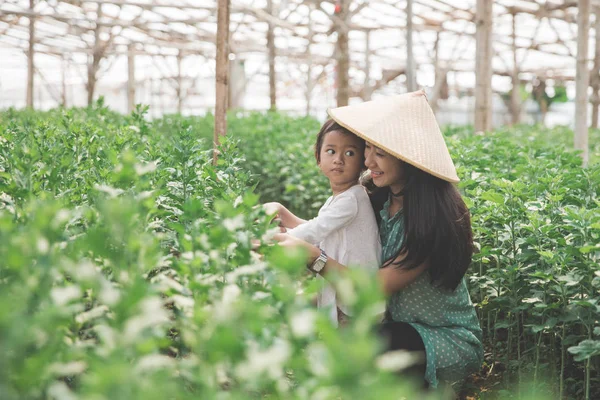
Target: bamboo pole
[(582, 80), (595, 78), (411, 82), (271, 50), (342, 54), (367, 85), (483, 68), (222, 72), (64, 69), (515, 96), (94, 60), (309, 80), (130, 78), (30, 57), (437, 85), (179, 87)]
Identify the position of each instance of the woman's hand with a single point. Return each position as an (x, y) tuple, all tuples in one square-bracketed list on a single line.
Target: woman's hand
[(286, 240)]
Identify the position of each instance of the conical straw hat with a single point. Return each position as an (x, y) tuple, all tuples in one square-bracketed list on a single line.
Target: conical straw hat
[(403, 126)]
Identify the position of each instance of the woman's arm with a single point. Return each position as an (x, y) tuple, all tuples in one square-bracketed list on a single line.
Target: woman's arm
[(392, 278)]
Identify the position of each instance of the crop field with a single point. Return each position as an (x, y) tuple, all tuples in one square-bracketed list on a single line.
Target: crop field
[(132, 268)]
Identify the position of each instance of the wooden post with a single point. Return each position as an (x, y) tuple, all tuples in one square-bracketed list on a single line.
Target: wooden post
[(271, 49), (582, 79), (94, 60), (367, 85), (130, 78), (64, 69), (483, 68), (437, 74), (411, 81), (515, 96), (343, 58), (30, 56), (221, 73), (595, 78), (179, 83), (309, 81)]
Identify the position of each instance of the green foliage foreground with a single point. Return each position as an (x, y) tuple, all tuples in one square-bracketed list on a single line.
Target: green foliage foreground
[(127, 265)]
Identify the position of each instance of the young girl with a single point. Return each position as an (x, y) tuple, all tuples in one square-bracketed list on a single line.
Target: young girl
[(425, 232), (345, 228)]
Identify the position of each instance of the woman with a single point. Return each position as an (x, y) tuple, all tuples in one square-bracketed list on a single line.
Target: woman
[(425, 233)]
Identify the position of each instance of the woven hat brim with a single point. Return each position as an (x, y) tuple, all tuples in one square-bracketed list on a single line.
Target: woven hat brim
[(449, 175)]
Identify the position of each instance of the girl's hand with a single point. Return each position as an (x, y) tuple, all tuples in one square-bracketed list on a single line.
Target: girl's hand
[(286, 240), (275, 208)]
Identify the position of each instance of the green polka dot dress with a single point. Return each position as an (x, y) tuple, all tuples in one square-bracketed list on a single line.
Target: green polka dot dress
[(446, 320)]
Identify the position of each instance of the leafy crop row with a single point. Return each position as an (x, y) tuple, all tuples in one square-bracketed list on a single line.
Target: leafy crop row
[(128, 272)]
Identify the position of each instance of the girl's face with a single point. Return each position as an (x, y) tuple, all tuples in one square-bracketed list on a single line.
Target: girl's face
[(386, 170), (341, 159)]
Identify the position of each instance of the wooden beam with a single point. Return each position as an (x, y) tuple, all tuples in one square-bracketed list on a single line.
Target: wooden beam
[(179, 85), (130, 78), (483, 67), (30, 57), (582, 82), (411, 79), (94, 60), (271, 55), (64, 70), (367, 83), (595, 76), (515, 95), (342, 53), (222, 72)]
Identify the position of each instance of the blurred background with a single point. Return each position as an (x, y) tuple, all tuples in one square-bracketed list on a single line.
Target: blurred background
[(162, 53)]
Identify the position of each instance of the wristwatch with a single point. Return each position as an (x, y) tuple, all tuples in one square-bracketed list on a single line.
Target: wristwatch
[(318, 265)]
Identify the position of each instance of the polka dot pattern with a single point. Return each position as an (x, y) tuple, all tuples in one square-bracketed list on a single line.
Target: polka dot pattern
[(446, 320)]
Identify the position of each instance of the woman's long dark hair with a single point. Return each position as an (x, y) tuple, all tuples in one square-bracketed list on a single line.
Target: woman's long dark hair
[(437, 226)]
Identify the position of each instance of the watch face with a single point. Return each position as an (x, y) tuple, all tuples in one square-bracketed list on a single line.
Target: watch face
[(319, 264)]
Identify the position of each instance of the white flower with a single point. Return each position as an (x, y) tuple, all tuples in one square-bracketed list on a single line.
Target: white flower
[(345, 289), (153, 362), (269, 361), (142, 169), (108, 338), (94, 313), (63, 295), (109, 294), (303, 323), (42, 245), (85, 271), (245, 270), (152, 314), (318, 357), (60, 391), (67, 369), (224, 309), (398, 360), (111, 191), (235, 223)]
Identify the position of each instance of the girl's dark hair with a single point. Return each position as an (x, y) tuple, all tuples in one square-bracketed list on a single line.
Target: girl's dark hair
[(437, 226), (330, 126)]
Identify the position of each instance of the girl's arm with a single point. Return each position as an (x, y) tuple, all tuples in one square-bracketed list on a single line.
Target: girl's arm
[(288, 219), (392, 278)]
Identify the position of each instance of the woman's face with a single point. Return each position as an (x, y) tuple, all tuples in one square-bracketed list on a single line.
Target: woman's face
[(386, 170)]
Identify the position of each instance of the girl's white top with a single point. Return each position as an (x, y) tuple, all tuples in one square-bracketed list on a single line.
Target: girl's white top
[(346, 229)]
